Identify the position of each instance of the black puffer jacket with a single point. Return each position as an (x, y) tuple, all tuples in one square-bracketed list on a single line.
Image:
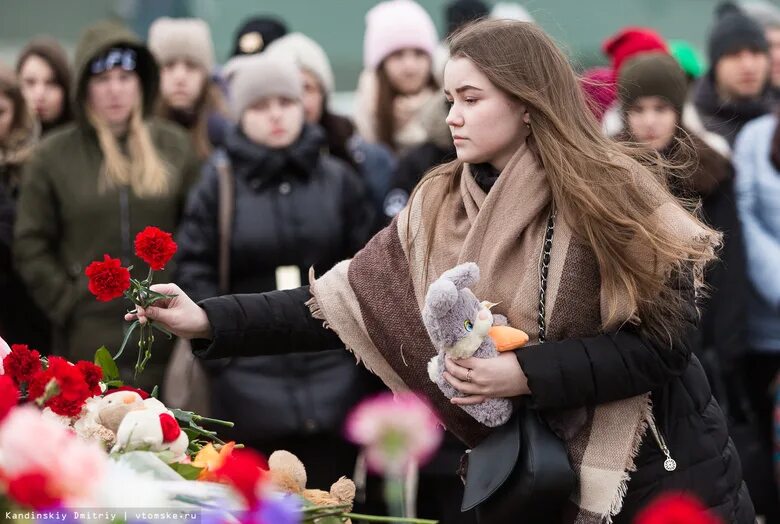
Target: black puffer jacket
[(294, 207), (562, 374)]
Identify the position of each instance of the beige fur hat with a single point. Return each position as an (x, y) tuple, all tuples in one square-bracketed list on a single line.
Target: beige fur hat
[(172, 38)]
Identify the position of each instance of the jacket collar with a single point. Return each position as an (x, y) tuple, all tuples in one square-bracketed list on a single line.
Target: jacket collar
[(256, 161)]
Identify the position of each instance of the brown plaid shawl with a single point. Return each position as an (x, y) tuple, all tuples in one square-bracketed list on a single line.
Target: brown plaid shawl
[(374, 304)]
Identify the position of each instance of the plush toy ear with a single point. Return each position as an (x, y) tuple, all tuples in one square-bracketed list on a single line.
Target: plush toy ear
[(442, 295), (463, 275)]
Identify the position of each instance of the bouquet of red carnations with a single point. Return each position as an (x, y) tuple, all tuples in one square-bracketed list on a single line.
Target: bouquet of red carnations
[(108, 280)]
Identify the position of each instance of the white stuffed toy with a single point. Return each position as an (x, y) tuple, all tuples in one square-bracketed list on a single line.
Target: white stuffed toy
[(152, 428)]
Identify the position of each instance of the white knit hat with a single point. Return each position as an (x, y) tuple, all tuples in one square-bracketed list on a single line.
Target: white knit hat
[(511, 11), (172, 38), (259, 76), (394, 25), (308, 54)]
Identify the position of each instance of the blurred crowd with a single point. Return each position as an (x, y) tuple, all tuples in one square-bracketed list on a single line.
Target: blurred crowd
[(260, 179)]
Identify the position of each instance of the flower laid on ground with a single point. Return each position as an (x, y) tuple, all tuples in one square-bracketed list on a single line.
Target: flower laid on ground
[(5, 349), (9, 395), (676, 508), (45, 464), (109, 280), (209, 459), (21, 363), (396, 431), (61, 386)]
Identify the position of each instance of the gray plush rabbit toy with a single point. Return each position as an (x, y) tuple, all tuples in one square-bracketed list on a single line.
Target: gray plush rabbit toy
[(461, 326)]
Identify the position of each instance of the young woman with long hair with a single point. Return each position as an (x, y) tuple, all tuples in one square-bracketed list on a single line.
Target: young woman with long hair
[(44, 76), (397, 81), (90, 188), (188, 95), (622, 260), (19, 133)]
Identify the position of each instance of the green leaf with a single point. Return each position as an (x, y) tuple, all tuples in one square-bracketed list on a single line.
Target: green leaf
[(127, 337), (106, 362), (155, 392), (114, 384), (187, 471)]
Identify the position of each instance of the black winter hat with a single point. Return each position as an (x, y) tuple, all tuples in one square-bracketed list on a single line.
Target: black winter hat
[(256, 33), (734, 31), (652, 74), (460, 12)]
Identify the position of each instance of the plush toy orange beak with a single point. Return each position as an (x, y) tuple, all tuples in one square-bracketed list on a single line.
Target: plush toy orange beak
[(507, 338)]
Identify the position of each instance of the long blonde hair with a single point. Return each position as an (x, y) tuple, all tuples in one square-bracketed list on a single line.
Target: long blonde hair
[(141, 168), (606, 191)]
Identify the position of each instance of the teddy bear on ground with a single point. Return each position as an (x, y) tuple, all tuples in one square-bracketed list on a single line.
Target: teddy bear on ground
[(461, 326), (289, 475), (151, 427)]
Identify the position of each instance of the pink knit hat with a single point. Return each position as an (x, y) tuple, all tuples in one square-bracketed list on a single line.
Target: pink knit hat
[(394, 25)]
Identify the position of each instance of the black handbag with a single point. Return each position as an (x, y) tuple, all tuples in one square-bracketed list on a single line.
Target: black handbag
[(522, 468)]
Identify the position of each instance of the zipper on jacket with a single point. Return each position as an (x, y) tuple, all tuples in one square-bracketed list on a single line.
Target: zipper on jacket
[(669, 464)]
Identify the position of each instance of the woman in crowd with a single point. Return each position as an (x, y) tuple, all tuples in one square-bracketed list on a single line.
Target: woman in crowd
[(44, 76), (19, 132), (188, 96), (91, 188), (374, 162), (397, 81), (582, 247), (294, 207)]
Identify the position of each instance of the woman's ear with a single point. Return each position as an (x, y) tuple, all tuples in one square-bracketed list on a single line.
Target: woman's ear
[(526, 116)]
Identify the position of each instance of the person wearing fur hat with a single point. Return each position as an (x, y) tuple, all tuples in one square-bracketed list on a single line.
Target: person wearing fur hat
[(397, 81), (257, 33), (44, 78), (736, 89), (375, 163), (92, 186), (188, 96), (652, 90), (293, 207), (24, 323)]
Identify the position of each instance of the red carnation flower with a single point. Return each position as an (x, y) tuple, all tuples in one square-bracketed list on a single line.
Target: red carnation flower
[(108, 279), (71, 388), (9, 395), (243, 469), (144, 394), (31, 490), (155, 247), (21, 363), (92, 375), (170, 428), (676, 508)]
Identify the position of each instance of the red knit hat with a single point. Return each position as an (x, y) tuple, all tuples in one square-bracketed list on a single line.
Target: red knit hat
[(632, 41)]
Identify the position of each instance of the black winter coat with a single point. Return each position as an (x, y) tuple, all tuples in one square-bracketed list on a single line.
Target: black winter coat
[(563, 374), (726, 118), (293, 207)]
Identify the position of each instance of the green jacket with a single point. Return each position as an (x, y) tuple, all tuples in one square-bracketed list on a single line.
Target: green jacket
[(65, 221)]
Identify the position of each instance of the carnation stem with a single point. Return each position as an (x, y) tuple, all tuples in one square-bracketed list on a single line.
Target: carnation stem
[(226, 423)]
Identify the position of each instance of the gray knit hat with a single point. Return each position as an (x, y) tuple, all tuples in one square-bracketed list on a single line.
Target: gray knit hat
[(253, 77), (308, 54), (172, 38)]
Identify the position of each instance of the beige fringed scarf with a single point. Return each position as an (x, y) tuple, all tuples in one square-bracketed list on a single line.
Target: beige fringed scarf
[(374, 304)]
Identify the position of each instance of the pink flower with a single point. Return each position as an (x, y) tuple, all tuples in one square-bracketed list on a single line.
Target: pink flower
[(395, 431), (32, 443), (5, 350)]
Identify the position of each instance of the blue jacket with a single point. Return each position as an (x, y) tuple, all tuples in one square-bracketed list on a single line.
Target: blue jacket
[(757, 188)]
